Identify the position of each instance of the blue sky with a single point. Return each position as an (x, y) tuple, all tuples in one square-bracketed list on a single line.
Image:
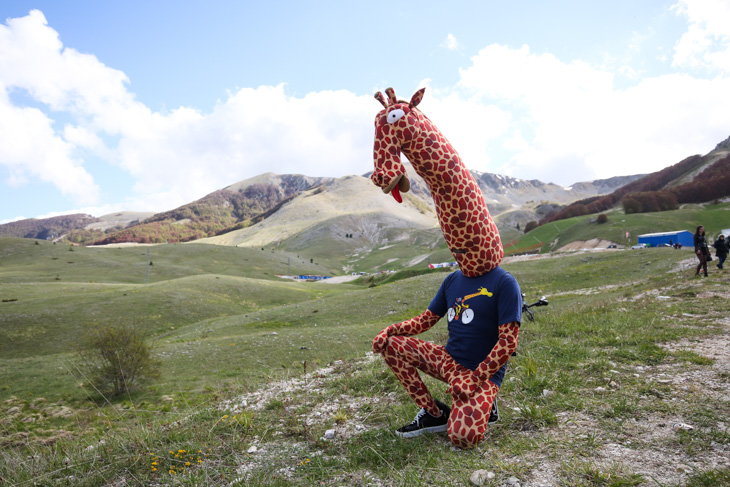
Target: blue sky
[(144, 106)]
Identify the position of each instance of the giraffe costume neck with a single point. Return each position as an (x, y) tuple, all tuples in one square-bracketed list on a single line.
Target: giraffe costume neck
[(469, 230)]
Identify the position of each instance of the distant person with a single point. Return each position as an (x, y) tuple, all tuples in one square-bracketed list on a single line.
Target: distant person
[(701, 250), (721, 250)]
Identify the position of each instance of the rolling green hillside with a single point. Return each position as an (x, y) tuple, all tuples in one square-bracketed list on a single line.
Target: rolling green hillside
[(554, 235), (22, 260), (217, 302), (256, 369)]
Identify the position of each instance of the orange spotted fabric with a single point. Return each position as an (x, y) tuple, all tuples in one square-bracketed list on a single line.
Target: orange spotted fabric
[(469, 230), (474, 241), (472, 392)]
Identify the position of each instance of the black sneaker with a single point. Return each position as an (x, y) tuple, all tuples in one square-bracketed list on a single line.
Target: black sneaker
[(425, 423), (443, 407), (494, 414)]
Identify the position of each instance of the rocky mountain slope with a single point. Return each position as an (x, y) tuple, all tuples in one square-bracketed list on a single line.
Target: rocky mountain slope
[(239, 205), (260, 206), (272, 208), (348, 205)]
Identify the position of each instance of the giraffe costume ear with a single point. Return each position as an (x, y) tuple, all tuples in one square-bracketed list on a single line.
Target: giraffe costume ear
[(417, 97)]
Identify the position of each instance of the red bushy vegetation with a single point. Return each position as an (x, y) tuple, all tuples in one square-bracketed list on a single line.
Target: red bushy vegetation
[(651, 193)]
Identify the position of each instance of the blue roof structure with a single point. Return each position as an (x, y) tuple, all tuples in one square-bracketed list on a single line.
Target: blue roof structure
[(683, 237)]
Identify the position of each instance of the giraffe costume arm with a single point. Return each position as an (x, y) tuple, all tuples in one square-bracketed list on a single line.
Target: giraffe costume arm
[(465, 387), (414, 326), (501, 352)]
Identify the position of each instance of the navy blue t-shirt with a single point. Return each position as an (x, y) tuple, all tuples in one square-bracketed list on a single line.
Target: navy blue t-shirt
[(475, 307)]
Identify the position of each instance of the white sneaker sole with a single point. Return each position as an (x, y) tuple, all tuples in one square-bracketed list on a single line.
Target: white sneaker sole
[(431, 429)]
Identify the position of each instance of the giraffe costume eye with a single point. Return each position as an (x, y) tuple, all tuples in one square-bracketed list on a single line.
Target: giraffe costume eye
[(395, 115)]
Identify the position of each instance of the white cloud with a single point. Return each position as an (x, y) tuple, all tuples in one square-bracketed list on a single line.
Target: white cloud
[(14, 219), (174, 157), (29, 148), (187, 154), (571, 123), (529, 115), (471, 126), (451, 43), (706, 44), (30, 59)]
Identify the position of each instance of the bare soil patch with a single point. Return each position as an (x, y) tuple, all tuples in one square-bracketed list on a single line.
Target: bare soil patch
[(592, 244)]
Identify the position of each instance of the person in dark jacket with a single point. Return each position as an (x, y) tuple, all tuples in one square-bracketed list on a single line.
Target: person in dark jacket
[(721, 249), (701, 250)]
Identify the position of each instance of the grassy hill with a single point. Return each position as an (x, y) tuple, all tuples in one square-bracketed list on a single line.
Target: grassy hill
[(343, 206), (268, 207), (553, 235), (39, 260), (218, 318), (233, 405)]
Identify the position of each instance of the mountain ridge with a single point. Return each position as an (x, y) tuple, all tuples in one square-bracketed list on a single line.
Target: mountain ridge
[(251, 201), (270, 208), (695, 179)]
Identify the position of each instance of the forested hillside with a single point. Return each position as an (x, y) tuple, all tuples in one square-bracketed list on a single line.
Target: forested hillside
[(696, 179), (46, 228)]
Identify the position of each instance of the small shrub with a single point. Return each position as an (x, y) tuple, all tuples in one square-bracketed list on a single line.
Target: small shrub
[(116, 358), (602, 218)]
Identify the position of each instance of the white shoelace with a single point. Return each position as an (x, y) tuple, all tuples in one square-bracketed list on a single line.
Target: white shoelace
[(419, 415)]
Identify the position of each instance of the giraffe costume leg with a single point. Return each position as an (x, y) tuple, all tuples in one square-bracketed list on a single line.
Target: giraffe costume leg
[(469, 418)]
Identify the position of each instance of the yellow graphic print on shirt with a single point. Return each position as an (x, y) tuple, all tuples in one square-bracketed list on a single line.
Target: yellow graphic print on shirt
[(462, 309)]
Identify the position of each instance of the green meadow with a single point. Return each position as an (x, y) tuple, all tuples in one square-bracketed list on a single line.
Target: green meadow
[(552, 236), (256, 368)]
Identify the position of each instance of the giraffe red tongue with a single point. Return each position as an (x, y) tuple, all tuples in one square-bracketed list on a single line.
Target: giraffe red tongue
[(396, 194)]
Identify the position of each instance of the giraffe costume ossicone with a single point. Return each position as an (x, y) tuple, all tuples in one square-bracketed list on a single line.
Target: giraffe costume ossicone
[(473, 239)]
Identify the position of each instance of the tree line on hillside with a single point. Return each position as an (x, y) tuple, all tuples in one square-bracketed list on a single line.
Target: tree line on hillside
[(229, 206), (220, 212), (651, 193), (217, 213), (46, 228)]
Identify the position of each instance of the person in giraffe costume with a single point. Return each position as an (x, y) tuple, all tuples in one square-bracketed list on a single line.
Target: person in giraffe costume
[(482, 302)]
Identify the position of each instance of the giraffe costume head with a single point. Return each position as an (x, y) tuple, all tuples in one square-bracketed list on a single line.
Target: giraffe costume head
[(469, 230)]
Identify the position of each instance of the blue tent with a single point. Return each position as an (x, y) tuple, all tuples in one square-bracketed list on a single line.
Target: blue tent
[(684, 237)]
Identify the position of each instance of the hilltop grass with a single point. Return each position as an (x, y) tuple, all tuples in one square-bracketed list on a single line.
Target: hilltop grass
[(208, 442), (25, 260), (420, 249), (554, 235), (224, 339), (238, 330)]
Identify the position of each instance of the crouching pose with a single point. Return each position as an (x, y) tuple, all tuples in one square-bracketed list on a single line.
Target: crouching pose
[(483, 321), (481, 301)]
